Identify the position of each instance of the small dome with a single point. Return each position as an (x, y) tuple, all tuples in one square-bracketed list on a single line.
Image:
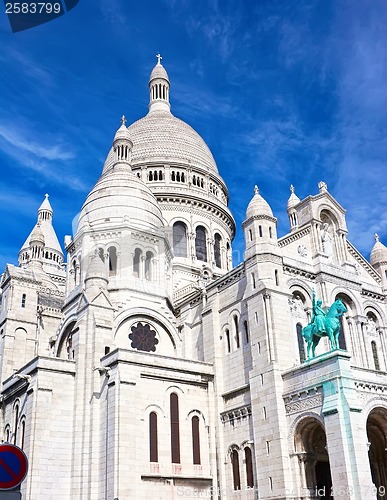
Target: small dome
[(46, 205), (159, 72), (122, 132), (378, 252), (37, 235), (118, 195), (293, 198), (258, 206)]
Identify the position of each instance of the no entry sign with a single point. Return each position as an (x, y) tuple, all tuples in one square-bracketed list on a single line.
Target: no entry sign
[(13, 466)]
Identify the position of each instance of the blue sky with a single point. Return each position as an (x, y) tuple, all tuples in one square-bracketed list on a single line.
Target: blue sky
[(282, 92)]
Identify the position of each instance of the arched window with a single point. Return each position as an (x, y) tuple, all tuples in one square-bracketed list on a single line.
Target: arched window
[(23, 432), (16, 423), (136, 262), (148, 266), (375, 355), (245, 324), (7, 434), (342, 343), (228, 340), (175, 431), (180, 239), (112, 258), (249, 468), (153, 440), (236, 325), (301, 343), (195, 441), (217, 256), (23, 300), (101, 254), (201, 244), (235, 470)]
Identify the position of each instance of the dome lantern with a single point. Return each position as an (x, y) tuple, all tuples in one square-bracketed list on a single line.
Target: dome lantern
[(159, 88)]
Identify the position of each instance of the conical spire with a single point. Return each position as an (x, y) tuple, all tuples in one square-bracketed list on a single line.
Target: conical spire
[(159, 88), (45, 233), (379, 252), (293, 198), (258, 205)]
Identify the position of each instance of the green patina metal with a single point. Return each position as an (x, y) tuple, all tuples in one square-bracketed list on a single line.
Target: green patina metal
[(323, 324)]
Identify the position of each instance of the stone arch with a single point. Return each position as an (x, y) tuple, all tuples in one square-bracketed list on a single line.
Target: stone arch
[(310, 447), (347, 329), (377, 443), (168, 338), (64, 340)]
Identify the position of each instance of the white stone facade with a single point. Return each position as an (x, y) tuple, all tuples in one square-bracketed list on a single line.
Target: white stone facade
[(148, 367)]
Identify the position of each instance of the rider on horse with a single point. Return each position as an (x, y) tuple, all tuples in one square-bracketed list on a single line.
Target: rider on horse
[(318, 315)]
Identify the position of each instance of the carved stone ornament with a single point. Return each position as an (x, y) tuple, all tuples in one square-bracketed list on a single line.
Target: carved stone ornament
[(302, 250)]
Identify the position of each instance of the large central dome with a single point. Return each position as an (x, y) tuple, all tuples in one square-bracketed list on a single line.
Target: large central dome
[(162, 136)]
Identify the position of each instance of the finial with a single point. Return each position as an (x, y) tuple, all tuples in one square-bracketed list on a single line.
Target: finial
[(158, 58), (46, 196), (376, 237), (256, 190), (322, 186), (123, 120), (292, 188)]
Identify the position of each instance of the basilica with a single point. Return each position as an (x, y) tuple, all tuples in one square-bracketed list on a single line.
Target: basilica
[(138, 363)]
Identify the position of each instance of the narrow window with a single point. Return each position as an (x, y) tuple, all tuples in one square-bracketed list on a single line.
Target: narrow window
[(249, 468), (217, 255), (270, 235), (250, 235), (228, 340), (23, 432), (136, 262), (107, 349), (246, 331), (195, 441), (182, 177), (7, 435), (228, 256), (253, 280), (236, 325), (153, 447), (173, 177), (101, 254), (342, 344), (23, 300), (148, 266), (178, 176), (175, 432), (160, 175), (16, 424), (112, 258), (375, 355), (260, 231), (276, 277), (201, 244), (301, 343), (150, 176), (180, 239), (235, 470)]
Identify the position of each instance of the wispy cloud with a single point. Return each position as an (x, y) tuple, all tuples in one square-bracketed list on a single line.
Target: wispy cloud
[(39, 150)]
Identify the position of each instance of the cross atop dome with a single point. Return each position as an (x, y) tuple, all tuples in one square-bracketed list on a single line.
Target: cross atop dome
[(158, 59), (123, 120)]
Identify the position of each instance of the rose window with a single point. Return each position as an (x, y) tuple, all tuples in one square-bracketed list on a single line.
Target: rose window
[(143, 337)]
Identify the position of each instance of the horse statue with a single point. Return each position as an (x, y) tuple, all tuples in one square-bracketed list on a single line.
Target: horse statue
[(323, 324)]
